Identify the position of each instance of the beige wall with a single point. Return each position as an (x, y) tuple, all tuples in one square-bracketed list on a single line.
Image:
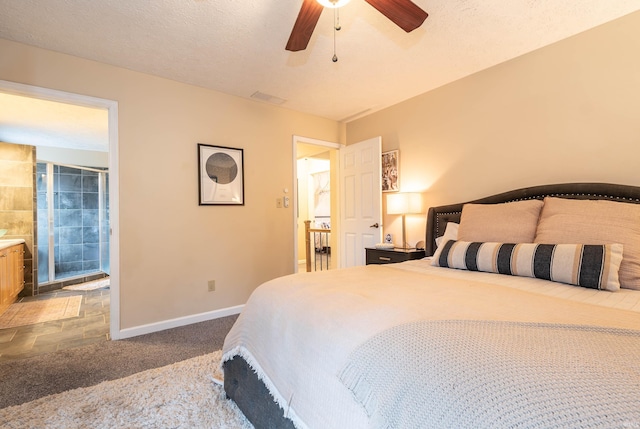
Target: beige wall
[(169, 246), (568, 112)]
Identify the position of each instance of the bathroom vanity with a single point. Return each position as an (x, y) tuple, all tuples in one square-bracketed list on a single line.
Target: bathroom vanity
[(11, 271)]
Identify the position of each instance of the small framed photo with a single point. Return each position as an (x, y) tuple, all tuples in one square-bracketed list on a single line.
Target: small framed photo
[(220, 175), (390, 171)]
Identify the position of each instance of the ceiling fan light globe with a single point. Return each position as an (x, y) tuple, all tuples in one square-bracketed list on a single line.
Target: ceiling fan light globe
[(333, 3)]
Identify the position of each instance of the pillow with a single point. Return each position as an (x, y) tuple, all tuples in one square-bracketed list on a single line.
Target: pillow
[(595, 222), (503, 223), (450, 233), (591, 266)]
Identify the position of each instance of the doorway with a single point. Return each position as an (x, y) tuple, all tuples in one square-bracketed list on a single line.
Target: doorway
[(315, 170), (111, 107)]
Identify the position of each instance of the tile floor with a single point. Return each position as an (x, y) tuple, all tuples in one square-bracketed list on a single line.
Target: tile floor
[(91, 326)]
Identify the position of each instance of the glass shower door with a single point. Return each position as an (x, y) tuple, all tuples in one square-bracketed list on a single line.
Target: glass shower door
[(105, 230), (73, 237), (42, 180)]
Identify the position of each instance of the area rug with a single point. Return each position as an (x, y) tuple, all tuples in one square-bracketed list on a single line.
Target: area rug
[(92, 285), (181, 395), (46, 310)]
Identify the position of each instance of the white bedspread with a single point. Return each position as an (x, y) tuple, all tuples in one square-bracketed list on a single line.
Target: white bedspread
[(298, 331), (492, 375)]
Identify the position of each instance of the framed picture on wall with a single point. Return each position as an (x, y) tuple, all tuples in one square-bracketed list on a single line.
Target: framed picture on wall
[(220, 175), (390, 171)]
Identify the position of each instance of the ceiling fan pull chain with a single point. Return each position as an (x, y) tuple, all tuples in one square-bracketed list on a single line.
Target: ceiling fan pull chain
[(336, 27)]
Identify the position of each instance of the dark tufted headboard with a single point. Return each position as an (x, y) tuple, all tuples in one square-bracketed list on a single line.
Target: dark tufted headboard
[(437, 217)]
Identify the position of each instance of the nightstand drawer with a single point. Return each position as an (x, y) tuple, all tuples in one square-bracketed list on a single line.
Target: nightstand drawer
[(392, 256)]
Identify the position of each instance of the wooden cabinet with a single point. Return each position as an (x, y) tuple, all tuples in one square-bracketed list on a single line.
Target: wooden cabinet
[(4, 280), (17, 269), (392, 256), (11, 274)]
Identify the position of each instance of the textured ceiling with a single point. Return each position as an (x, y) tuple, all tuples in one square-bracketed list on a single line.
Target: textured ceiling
[(237, 47)]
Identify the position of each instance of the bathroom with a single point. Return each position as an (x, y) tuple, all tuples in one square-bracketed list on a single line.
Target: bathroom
[(60, 210), (54, 188), (56, 197)]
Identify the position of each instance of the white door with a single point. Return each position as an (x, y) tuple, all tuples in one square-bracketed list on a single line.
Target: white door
[(360, 194)]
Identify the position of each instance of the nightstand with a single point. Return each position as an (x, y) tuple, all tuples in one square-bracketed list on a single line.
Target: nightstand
[(392, 256)]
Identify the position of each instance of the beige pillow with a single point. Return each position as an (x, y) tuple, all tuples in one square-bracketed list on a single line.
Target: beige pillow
[(502, 223), (595, 222)]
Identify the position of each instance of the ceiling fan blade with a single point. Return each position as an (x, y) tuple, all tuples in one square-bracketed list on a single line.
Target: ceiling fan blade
[(305, 23), (404, 13)]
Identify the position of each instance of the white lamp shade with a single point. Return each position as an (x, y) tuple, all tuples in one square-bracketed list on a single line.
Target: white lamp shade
[(333, 3), (404, 203)]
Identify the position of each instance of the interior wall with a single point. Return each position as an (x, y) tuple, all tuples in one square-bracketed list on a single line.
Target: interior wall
[(567, 112), (17, 204), (85, 158), (169, 246), (334, 162)]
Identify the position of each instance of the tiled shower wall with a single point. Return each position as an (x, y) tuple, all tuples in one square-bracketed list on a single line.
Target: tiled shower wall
[(76, 203), (17, 202)]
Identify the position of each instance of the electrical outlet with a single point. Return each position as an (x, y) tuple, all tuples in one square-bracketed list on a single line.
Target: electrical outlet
[(212, 285), (278, 203)]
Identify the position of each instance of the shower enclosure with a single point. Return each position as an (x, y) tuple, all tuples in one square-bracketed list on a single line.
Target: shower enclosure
[(73, 222)]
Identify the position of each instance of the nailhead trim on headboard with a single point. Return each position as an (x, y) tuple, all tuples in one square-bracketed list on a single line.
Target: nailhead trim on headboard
[(437, 217)]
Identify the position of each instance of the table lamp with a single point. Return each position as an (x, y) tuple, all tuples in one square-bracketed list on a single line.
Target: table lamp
[(404, 203)]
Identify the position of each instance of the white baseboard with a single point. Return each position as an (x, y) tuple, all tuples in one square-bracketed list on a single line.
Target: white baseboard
[(174, 323)]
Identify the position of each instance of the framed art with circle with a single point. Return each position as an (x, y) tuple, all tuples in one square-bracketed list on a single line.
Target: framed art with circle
[(220, 175)]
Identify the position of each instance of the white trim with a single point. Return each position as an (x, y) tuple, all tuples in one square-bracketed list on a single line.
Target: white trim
[(114, 223), (295, 140), (180, 321), (114, 182), (55, 95), (317, 142)]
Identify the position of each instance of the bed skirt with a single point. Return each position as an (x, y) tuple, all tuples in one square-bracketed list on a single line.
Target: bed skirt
[(242, 385)]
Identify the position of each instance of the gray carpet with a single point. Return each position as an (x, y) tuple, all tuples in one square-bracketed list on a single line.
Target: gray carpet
[(24, 380)]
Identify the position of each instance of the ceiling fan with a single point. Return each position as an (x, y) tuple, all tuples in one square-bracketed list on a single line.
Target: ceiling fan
[(404, 13)]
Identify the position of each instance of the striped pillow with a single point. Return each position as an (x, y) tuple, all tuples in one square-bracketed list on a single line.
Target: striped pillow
[(587, 265)]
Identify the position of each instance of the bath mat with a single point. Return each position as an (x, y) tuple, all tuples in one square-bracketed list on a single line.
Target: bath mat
[(46, 310), (92, 285)]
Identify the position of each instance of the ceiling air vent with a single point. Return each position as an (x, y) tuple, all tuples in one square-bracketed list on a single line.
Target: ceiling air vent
[(268, 98)]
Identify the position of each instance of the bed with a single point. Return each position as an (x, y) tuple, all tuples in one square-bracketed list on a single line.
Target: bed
[(525, 313)]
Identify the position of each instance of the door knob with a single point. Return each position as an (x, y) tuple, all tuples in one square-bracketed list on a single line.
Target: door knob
[(375, 225)]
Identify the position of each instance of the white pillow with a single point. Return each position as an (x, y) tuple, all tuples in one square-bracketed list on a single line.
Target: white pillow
[(450, 233)]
